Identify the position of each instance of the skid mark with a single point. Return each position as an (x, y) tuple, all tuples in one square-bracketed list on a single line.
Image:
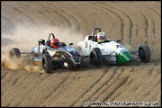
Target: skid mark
[(130, 23), (97, 91), (62, 88), (146, 26), (110, 85), (17, 77), (19, 82), (55, 88), (118, 16), (46, 18), (80, 86), (74, 19), (119, 84), (43, 90), (21, 13), (90, 87), (3, 75)]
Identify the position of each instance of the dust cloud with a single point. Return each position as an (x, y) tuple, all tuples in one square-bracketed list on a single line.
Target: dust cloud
[(25, 37)]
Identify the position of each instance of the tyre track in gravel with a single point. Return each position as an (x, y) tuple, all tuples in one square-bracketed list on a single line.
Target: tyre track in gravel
[(148, 26), (127, 16), (45, 79), (112, 21), (75, 22), (119, 83), (3, 74), (151, 13), (142, 87), (114, 84), (17, 81), (45, 96), (64, 86), (152, 7), (61, 18), (90, 87), (13, 91), (70, 19), (91, 21), (119, 91), (110, 88), (74, 86), (95, 88), (101, 14), (115, 75), (103, 7), (150, 32), (135, 84), (130, 23), (22, 17), (8, 16), (145, 29), (36, 101), (43, 16)]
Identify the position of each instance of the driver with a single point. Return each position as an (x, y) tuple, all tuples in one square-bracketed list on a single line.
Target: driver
[(101, 37), (54, 43)]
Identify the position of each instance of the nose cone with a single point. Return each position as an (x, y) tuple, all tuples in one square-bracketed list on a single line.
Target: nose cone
[(123, 57)]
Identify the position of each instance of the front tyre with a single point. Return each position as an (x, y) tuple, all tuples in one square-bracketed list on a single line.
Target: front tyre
[(47, 63), (96, 57), (144, 53)]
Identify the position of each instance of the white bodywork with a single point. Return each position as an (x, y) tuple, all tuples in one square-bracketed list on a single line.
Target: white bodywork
[(108, 48)]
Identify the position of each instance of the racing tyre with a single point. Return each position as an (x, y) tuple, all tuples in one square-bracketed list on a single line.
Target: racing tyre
[(47, 63), (144, 53), (14, 53), (96, 57)]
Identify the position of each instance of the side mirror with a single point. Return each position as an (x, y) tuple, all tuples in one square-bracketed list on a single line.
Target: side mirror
[(70, 44), (118, 41), (41, 41)]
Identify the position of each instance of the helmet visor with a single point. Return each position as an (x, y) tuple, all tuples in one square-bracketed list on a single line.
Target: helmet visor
[(55, 43), (102, 37)]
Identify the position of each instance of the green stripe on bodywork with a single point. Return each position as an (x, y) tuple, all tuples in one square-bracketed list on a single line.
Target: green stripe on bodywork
[(123, 57)]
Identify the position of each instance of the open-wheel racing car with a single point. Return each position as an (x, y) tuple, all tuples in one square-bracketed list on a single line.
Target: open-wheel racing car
[(51, 58), (110, 51)]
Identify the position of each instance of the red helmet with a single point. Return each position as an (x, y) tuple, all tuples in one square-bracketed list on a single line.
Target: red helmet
[(54, 43)]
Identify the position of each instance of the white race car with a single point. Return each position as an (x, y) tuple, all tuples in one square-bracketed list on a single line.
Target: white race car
[(110, 51)]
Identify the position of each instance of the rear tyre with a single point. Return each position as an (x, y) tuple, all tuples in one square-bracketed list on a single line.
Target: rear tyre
[(47, 63), (96, 57), (14, 53), (144, 53)]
